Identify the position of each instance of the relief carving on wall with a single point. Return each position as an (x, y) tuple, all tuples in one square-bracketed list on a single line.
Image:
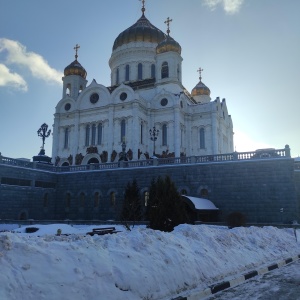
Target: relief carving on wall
[(78, 159), (104, 156), (91, 149)]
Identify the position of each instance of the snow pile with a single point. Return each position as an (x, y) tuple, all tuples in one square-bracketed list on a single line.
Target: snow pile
[(137, 264)]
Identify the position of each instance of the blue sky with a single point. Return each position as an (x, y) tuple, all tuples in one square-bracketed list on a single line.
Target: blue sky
[(249, 50)]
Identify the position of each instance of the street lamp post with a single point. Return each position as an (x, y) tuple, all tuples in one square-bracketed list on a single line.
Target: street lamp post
[(153, 136)]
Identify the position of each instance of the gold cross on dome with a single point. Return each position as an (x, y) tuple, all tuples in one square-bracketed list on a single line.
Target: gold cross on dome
[(76, 50), (200, 72), (168, 21), (143, 7)]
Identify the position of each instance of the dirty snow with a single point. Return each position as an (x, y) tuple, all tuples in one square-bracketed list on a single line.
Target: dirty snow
[(138, 264)]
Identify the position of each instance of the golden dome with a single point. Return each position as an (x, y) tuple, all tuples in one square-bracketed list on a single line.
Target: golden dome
[(200, 89), (168, 44), (75, 68), (141, 31)]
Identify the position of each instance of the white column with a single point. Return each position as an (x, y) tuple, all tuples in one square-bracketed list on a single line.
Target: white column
[(177, 132)]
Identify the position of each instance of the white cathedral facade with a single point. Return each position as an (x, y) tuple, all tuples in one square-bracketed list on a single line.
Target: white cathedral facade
[(146, 107)]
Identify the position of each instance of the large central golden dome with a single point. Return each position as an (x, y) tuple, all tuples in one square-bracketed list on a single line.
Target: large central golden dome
[(141, 31)]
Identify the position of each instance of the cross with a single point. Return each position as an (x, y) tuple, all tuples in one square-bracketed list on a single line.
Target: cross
[(143, 8), (200, 71), (76, 50), (168, 21)]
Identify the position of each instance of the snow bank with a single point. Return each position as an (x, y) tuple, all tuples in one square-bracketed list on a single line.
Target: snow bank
[(137, 264)]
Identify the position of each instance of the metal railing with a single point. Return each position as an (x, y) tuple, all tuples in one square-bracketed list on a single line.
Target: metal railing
[(235, 156)]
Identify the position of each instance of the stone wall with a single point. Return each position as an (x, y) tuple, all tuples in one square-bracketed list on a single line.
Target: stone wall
[(257, 188)]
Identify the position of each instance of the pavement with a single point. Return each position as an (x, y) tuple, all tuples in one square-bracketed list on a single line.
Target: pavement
[(220, 286)]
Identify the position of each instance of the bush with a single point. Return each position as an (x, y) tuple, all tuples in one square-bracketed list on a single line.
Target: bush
[(236, 219), (132, 205), (166, 208)]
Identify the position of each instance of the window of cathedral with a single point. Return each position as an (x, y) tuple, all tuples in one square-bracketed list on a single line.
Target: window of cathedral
[(123, 130), (68, 90), (140, 71), (94, 98), (164, 135), (87, 135), (153, 71), (164, 102), (165, 70), (141, 136), (65, 164), (67, 106), (117, 76), (123, 96), (202, 138), (66, 141), (100, 133), (127, 73), (146, 198), (93, 142), (181, 104)]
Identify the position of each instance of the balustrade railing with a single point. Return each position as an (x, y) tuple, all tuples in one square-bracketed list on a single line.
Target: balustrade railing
[(235, 156)]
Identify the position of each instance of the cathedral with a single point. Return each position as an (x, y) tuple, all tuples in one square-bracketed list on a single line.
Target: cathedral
[(146, 112)]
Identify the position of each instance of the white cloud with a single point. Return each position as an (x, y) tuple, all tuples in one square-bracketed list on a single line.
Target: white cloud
[(230, 6), (17, 54), (14, 80)]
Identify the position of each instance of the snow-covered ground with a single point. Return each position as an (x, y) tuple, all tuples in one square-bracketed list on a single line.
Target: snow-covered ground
[(138, 264)]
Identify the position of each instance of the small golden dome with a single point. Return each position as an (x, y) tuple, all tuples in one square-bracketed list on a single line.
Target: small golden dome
[(200, 89), (168, 44), (75, 68), (141, 31)]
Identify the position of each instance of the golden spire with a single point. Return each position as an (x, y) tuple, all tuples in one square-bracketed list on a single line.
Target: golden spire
[(76, 50), (200, 72), (168, 21), (143, 6)]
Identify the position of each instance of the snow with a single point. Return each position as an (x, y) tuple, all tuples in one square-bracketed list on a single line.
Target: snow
[(137, 264), (201, 203)]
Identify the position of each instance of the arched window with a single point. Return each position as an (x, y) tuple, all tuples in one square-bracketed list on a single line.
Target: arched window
[(165, 70), (183, 192), (112, 199), (140, 71), (202, 138), (45, 204), (117, 76), (96, 200), (94, 134), (99, 133), (146, 198), (204, 193), (123, 130), (127, 73), (178, 72), (153, 71), (66, 142), (68, 200), (87, 135), (68, 90), (81, 199), (164, 135)]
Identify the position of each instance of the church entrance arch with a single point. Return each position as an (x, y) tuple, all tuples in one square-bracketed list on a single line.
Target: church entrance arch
[(93, 160)]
